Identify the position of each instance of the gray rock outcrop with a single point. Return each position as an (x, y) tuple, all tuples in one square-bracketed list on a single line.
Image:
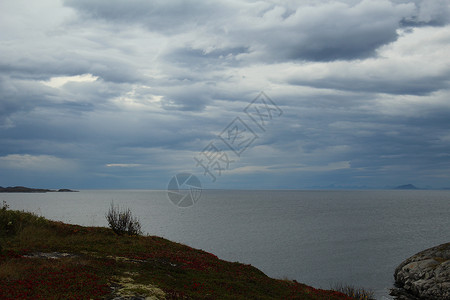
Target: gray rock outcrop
[(425, 275)]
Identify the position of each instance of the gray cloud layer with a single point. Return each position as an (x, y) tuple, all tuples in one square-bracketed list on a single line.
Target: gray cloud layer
[(125, 94)]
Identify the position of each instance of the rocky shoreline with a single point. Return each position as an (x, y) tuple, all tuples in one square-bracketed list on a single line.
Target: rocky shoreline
[(425, 275)]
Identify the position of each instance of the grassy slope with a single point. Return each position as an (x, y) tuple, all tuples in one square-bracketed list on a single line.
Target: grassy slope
[(105, 263)]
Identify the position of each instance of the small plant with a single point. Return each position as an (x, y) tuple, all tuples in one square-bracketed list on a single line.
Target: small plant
[(5, 219), (355, 293), (121, 221), (13, 221), (4, 206)]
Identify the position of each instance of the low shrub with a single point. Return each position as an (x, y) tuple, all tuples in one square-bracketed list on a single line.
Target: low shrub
[(121, 221), (13, 221), (353, 292)]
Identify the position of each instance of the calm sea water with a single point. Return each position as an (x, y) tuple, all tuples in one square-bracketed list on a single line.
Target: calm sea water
[(316, 237)]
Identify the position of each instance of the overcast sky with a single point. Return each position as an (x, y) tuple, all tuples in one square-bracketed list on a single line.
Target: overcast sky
[(126, 94)]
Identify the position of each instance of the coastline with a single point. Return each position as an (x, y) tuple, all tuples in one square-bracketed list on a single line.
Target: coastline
[(22, 189), (207, 226), (46, 258)]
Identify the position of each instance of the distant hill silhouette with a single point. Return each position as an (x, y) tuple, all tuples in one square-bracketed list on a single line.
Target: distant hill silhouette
[(22, 189), (406, 187)]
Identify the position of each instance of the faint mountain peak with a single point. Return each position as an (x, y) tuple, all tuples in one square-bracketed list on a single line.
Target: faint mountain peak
[(407, 187)]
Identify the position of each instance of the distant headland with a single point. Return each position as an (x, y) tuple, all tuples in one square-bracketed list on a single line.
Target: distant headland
[(22, 189), (407, 187)]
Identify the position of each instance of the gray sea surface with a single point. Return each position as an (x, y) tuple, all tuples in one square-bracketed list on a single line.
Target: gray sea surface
[(320, 238)]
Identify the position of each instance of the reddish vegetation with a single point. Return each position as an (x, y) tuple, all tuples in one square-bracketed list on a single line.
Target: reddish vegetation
[(101, 258), (49, 280)]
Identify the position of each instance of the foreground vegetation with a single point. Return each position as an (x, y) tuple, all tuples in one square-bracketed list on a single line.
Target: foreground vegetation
[(43, 259)]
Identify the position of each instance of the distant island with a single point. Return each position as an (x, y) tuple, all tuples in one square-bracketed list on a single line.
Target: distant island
[(22, 189), (407, 187)]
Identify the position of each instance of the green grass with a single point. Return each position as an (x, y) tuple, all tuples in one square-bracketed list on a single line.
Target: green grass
[(106, 264)]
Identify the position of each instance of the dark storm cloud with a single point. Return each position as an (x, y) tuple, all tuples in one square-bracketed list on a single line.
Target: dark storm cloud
[(400, 86), (321, 32), (24, 96), (337, 30), (20, 95), (44, 65), (198, 59), (427, 13), (389, 148), (165, 16)]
